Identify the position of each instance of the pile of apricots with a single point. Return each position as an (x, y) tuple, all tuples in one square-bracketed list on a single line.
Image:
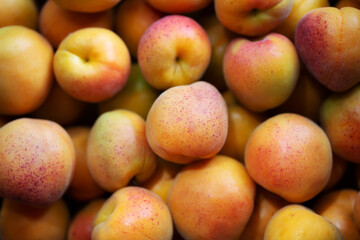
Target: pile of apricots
[(182, 119)]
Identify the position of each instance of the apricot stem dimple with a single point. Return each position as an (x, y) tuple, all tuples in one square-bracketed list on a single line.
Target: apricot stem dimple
[(254, 11)]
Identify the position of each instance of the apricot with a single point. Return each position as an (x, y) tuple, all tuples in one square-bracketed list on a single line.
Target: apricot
[(298, 222), (289, 155), (340, 118), (187, 123), (263, 72), (133, 213), (82, 187), (19, 12), (327, 41), (212, 199), (21, 221), (37, 160), (338, 207), (117, 150), (26, 73)]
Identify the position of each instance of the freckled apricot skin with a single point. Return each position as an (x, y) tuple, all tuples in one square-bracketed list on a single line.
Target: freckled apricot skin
[(133, 213), (340, 118), (212, 199), (187, 123), (37, 160), (262, 73), (327, 40), (174, 50), (289, 155), (117, 150)]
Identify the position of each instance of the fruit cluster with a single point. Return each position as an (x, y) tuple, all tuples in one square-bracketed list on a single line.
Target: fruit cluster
[(182, 119)]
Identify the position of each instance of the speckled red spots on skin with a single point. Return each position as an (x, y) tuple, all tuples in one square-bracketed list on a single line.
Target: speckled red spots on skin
[(312, 43), (137, 212), (177, 131), (340, 118), (351, 134), (261, 73), (323, 38), (117, 142), (287, 154), (35, 174)]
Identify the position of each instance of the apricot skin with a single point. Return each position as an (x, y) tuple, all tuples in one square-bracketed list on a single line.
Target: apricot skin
[(212, 199), (340, 118), (187, 123), (289, 155), (37, 161), (327, 40)]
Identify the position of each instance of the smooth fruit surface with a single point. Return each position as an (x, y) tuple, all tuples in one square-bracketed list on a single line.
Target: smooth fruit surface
[(133, 213), (289, 155), (212, 199), (25, 80), (299, 223), (174, 50), (187, 123), (92, 64)]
